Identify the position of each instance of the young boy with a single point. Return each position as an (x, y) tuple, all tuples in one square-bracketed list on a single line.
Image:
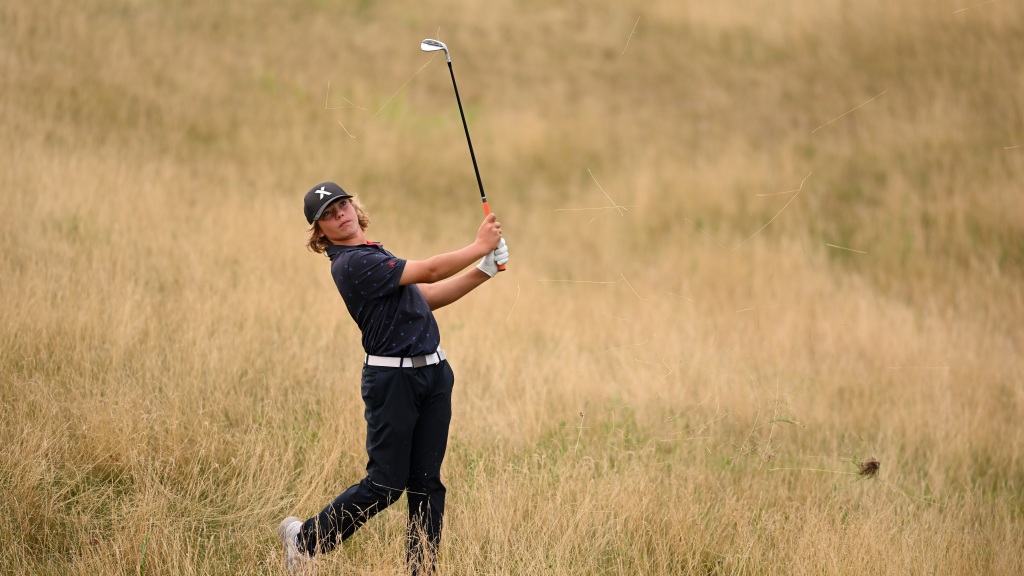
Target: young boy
[(406, 380)]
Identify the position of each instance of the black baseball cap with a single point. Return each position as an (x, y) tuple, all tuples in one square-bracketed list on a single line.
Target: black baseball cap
[(319, 197)]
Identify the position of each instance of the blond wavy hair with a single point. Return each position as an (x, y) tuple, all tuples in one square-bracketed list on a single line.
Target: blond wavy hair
[(317, 242)]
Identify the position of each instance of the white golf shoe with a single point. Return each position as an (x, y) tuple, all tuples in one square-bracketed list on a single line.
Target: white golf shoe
[(295, 562)]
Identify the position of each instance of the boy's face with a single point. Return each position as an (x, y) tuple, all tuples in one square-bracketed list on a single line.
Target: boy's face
[(340, 224)]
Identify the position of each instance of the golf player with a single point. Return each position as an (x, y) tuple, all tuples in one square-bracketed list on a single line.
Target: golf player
[(406, 380)]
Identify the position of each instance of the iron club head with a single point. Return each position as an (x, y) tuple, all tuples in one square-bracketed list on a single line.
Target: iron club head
[(431, 45)]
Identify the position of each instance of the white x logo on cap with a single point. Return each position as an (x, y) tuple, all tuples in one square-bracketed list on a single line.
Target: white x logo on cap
[(323, 193)]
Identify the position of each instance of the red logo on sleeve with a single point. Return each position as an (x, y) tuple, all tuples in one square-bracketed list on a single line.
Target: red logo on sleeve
[(392, 263)]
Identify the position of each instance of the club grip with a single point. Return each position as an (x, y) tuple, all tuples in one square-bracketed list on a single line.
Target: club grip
[(487, 211)]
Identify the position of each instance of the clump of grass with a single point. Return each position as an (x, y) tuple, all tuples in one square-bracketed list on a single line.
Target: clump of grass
[(869, 468)]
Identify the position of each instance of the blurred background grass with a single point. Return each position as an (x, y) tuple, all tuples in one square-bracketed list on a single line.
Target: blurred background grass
[(673, 388)]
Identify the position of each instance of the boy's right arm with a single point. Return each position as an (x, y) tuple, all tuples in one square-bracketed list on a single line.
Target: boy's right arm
[(445, 265)]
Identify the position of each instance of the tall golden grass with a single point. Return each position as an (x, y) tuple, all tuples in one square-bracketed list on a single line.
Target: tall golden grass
[(817, 260)]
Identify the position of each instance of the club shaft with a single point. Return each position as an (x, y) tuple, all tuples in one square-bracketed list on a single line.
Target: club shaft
[(472, 154)]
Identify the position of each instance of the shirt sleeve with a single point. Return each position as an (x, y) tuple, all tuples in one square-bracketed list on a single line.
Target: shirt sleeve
[(372, 274)]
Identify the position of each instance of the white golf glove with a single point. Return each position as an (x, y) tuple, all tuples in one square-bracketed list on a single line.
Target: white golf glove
[(489, 265)]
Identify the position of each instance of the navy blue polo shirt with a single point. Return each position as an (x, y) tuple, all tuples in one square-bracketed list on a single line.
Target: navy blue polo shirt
[(395, 320)]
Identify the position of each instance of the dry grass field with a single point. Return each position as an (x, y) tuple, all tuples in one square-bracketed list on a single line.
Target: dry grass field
[(754, 246)]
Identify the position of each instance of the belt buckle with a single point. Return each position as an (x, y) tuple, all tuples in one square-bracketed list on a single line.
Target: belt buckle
[(418, 361)]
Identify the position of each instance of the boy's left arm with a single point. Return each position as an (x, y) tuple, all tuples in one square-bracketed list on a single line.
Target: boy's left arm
[(443, 293)]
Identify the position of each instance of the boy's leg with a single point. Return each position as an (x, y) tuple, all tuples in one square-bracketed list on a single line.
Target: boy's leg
[(391, 416), (426, 493)]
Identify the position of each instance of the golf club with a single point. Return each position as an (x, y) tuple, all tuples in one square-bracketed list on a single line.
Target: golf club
[(431, 45)]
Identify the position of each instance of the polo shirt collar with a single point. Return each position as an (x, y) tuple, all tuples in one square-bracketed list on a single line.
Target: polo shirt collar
[(335, 249)]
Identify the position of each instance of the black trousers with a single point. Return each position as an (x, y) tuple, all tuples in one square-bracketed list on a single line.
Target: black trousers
[(408, 411)]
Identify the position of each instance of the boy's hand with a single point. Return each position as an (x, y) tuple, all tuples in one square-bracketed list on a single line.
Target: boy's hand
[(499, 256), (489, 234)]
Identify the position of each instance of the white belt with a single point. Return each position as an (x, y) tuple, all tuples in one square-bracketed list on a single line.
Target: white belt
[(406, 362)]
